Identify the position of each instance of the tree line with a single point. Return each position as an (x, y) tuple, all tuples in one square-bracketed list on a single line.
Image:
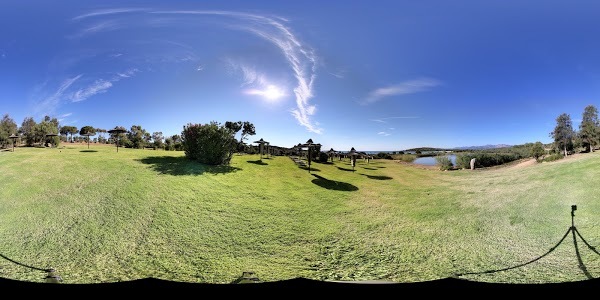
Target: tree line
[(217, 140), (567, 139)]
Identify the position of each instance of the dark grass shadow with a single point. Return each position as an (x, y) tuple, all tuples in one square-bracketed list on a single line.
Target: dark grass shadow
[(88, 150), (369, 168), (183, 166), (378, 177), (257, 162), (333, 185), (311, 168), (344, 169)]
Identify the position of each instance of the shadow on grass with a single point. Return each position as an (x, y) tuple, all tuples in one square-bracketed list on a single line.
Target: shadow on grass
[(378, 177), (183, 166), (257, 162), (344, 169), (333, 185), (369, 168), (88, 150), (311, 168)]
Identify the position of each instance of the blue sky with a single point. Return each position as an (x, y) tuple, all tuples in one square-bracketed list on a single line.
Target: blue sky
[(374, 75)]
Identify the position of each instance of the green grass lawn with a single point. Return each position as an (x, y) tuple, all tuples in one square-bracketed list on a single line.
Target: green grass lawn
[(101, 216)]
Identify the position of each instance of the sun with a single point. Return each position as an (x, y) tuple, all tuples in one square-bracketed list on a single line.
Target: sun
[(272, 92)]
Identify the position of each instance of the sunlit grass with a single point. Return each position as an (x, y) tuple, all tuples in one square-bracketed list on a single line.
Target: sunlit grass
[(105, 216)]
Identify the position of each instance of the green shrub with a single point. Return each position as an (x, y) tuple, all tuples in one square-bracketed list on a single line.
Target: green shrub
[(444, 162), (405, 157), (553, 157), (383, 155), (323, 157), (211, 144)]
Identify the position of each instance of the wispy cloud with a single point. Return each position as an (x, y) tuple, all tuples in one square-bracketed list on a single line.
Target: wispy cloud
[(384, 120), (98, 27), (301, 58), (383, 133), (403, 88), (250, 75), (111, 11), (100, 86), (49, 104), (62, 117)]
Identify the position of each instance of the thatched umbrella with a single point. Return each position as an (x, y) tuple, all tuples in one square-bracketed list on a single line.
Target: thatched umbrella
[(353, 155), (14, 138), (117, 131), (261, 142), (309, 144), (51, 135), (331, 152)]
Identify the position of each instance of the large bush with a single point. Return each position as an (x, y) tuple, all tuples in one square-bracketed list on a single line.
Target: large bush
[(482, 160), (323, 157), (211, 144)]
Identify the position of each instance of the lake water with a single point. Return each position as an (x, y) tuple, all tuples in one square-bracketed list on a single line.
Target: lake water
[(430, 160)]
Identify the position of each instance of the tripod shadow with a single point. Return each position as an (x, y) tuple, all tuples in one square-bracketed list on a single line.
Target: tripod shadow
[(51, 276), (581, 264), (572, 230)]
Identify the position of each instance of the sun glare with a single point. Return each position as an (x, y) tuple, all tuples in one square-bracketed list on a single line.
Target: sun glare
[(271, 92)]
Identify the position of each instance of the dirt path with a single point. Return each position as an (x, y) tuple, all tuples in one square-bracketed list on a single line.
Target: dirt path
[(525, 163)]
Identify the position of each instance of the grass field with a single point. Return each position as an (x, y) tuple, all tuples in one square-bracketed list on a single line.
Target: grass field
[(100, 216)]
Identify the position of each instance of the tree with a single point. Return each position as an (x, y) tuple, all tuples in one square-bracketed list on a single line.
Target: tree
[(101, 134), (177, 142), (147, 138), (235, 127), (28, 130), (8, 127), (589, 129), (64, 130), (48, 125), (119, 139), (211, 144), (137, 137), (157, 139), (563, 133), (247, 129), (69, 130), (537, 150), (87, 131)]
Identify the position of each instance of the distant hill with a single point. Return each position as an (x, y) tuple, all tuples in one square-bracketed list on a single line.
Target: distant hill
[(424, 149), (484, 147)]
